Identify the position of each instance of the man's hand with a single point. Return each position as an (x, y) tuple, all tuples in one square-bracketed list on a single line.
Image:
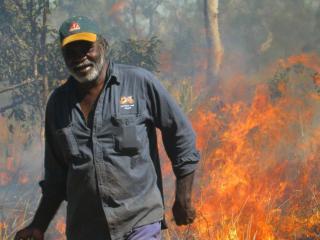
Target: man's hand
[(29, 233), (183, 214), (45, 212), (183, 211)]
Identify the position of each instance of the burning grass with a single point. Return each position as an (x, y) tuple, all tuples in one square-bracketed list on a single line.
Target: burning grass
[(20, 171), (258, 177)]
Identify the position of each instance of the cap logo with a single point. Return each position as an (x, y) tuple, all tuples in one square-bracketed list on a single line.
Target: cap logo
[(74, 26)]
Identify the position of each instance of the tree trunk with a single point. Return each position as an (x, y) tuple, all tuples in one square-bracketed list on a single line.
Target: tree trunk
[(214, 44), (33, 36), (152, 11), (151, 25), (134, 17), (44, 50), (43, 43)]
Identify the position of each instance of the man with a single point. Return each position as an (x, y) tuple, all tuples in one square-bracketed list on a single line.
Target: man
[(101, 151)]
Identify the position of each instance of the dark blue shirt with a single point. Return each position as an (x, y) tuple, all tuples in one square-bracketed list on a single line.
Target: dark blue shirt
[(107, 168)]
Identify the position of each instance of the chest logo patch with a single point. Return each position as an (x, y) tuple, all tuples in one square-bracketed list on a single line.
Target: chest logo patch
[(127, 102)]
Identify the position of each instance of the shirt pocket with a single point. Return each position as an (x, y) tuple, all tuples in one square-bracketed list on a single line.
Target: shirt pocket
[(127, 139), (67, 143)]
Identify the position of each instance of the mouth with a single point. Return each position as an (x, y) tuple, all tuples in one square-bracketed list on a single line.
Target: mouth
[(83, 68)]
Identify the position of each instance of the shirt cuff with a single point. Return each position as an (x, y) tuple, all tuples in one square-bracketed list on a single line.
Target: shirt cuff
[(186, 164)]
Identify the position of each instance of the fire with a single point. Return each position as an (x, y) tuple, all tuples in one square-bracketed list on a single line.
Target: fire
[(165, 59), (5, 178), (23, 178), (61, 226), (10, 163), (3, 230), (3, 226), (308, 60), (119, 6), (258, 178)]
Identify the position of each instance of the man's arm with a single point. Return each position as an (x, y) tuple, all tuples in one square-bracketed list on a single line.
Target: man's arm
[(52, 196), (179, 142), (46, 210), (44, 214), (183, 211), (53, 185)]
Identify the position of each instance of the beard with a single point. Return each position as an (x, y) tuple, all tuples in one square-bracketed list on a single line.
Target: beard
[(92, 74)]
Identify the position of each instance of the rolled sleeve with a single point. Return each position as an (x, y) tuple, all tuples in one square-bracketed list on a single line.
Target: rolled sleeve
[(177, 134), (186, 164)]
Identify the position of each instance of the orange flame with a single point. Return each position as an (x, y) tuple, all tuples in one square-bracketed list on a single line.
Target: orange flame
[(258, 178), (23, 178), (4, 178), (119, 6), (3, 226), (61, 225)]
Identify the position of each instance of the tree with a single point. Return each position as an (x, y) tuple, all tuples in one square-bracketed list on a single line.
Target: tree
[(142, 53), (26, 56), (214, 43)]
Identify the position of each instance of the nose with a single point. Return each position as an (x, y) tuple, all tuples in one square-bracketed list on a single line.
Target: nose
[(77, 56)]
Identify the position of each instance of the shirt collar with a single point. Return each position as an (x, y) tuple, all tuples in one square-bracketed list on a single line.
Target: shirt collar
[(113, 72)]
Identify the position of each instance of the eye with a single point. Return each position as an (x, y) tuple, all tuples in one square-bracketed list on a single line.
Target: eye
[(91, 49), (67, 52)]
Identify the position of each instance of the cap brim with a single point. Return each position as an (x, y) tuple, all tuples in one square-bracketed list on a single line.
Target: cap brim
[(84, 36)]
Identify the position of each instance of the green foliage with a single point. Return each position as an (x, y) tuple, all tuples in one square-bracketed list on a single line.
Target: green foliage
[(56, 70), (27, 54), (142, 53), (295, 79)]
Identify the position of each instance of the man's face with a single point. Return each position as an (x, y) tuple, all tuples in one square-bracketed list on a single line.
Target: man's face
[(84, 60)]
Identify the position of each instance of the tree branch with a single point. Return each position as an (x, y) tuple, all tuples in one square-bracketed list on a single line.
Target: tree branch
[(28, 81)]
